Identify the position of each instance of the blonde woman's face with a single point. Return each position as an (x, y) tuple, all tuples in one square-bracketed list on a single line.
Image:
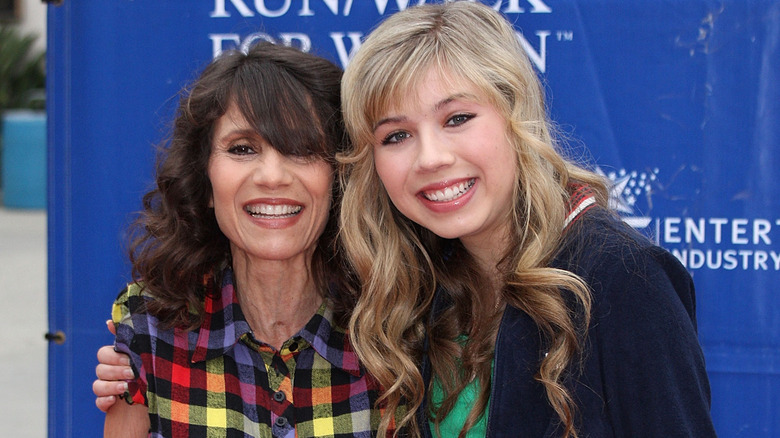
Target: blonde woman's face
[(445, 161)]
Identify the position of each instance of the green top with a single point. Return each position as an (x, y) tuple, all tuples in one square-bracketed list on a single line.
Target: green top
[(452, 424)]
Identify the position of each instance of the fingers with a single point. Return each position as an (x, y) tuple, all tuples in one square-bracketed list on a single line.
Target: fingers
[(107, 356), (108, 388), (107, 393), (111, 327), (105, 403), (111, 371)]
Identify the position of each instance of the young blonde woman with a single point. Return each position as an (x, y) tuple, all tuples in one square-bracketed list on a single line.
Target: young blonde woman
[(500, 296)]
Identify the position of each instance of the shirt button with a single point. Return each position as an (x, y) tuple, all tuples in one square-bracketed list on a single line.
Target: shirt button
[(279, 397), (281, 422)]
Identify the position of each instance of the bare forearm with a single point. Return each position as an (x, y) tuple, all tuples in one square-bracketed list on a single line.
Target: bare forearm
[(126, 421)]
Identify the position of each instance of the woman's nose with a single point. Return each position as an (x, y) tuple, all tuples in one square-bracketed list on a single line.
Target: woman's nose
[(272, 170), (434, 151)]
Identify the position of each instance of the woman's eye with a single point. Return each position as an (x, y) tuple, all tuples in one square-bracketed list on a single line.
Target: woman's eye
[(395, 137), (304, 159), (459, 119), (241, 149)]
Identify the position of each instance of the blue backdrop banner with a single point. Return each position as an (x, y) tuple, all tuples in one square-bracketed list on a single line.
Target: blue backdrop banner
[(677, 101)]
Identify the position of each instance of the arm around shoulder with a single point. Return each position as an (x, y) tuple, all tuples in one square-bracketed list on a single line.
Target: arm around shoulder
[(125, 420)]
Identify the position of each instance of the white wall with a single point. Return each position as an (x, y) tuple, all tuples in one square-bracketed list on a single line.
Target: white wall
[(32, 19)]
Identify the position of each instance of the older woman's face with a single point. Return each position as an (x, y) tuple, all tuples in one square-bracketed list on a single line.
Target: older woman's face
[(270, 206)]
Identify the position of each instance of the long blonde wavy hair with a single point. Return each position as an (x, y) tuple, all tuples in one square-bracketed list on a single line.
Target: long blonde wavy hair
[(399, 264)]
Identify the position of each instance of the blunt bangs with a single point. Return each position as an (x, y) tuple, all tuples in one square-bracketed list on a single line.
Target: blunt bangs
[(409, 65), (282, 111)]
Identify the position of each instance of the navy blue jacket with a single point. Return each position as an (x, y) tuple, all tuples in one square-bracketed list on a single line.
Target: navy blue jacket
[(642, 372)]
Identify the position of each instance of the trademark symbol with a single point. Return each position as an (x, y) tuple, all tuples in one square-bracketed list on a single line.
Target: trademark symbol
[(564, 35)]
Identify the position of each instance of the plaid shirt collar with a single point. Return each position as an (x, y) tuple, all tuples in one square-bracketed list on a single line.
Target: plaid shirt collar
[(224, 324)]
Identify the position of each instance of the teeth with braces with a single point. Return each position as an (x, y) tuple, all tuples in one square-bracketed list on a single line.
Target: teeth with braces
[(449, 193), (273, 210)]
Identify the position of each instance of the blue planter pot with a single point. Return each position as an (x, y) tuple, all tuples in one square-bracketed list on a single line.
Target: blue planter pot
[(24, 159)]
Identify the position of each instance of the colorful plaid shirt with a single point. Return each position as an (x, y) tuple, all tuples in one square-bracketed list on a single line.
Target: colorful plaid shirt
[(221, 381)]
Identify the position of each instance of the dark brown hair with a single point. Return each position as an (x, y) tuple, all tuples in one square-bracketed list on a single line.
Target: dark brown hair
[(292, 99)]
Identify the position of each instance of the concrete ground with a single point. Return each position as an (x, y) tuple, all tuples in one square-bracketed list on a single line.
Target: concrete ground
[(23, 322)]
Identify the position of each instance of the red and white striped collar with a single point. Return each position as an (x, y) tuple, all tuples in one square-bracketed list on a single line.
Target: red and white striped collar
[(581, 200)]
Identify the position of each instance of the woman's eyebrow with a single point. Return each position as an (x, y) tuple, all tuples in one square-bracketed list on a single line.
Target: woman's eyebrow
[(386, 120), (438, 106)]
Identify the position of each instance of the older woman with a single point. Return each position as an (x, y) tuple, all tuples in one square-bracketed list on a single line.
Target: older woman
[(234, 324)]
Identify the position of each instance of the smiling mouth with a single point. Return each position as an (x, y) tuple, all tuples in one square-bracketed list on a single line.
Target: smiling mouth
[(268, 211), (451, 193)]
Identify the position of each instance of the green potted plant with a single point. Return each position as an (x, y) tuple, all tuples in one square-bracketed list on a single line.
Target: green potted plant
[(23, 128), (22, 70)]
